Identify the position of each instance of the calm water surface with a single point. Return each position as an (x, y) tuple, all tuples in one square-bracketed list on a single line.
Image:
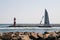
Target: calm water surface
[(5, 28)]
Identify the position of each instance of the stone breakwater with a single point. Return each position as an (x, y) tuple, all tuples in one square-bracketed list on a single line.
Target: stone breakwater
[(30, 36)]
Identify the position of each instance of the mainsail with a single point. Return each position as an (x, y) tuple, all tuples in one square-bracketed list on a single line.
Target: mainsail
[(46, 19)]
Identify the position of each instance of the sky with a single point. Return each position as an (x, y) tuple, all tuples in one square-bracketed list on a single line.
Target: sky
[(29, 11)]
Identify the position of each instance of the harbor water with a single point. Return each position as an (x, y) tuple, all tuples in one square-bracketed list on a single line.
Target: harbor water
[(5, 28)]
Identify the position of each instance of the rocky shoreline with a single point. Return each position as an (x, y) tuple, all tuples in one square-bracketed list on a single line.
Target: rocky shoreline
[(30, 36)]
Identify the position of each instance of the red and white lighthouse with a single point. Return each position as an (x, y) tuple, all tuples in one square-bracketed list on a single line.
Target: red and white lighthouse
[(14, 22)]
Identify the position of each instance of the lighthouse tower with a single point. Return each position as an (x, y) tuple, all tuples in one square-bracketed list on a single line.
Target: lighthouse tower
[(14, 22)]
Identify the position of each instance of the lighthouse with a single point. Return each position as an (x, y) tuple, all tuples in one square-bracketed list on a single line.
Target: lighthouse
[(14, 22)]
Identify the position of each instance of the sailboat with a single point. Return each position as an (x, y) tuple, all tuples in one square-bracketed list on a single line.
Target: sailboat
[(46, 22)]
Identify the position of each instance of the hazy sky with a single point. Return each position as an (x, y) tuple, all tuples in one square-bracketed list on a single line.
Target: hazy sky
[(29, 11)]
